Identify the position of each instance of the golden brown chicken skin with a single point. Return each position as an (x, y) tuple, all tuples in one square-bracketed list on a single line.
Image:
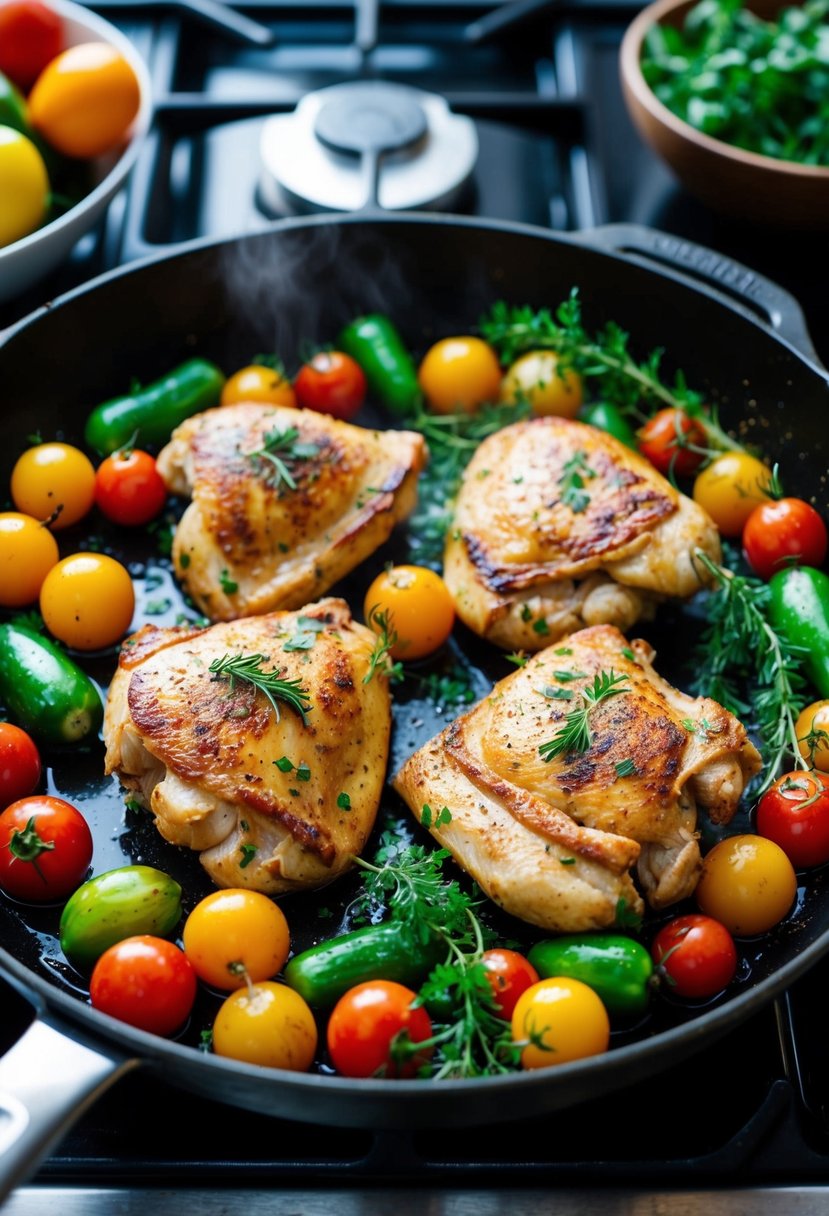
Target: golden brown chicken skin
[(284, 503), (553, 838), (270, 801), (559, 525)]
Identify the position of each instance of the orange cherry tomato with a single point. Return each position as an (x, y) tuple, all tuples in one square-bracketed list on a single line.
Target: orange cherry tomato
[(87, 601), (729, 489), (459, 375), (55, 483), (258, 383), (28, 551), (748, 884), (812, 732), (236, 935), (267, 1024), (559, 1019), (419, 607), (85, 99), (536, 378)]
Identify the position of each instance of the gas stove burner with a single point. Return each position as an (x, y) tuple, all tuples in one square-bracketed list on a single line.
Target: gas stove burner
[(312, 157), (370, 117)]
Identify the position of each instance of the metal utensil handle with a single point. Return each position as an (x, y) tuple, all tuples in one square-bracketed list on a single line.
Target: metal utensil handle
[(755, 294), (47, 1080)]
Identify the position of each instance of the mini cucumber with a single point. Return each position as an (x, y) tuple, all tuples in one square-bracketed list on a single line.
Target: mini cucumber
[(391, 951), (44, 690)]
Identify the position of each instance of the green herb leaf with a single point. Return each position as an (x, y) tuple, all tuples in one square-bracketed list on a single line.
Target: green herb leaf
[(575, 734), (248, 669)]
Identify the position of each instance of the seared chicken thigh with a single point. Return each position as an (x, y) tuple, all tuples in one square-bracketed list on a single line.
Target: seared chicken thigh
[(270, 801), (551, 832), (559, 525), (285, 502)]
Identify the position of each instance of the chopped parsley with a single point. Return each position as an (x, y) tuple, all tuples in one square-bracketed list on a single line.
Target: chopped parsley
[(227, 584), (575, 472), (343, 801), (248, 852)]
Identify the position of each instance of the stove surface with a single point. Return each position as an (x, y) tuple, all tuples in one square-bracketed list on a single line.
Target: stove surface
[(555, 149)]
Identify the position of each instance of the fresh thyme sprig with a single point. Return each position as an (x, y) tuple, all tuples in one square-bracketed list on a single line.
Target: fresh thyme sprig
[(575, 734), (739, 650), (275, 465), (605, 357), (407, 879), (380, 621), (248, 669)]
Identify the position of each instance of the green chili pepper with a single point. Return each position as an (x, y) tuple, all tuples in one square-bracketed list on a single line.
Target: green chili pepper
[(617, 968), (608, 418), (799, 609), (44, 690), (379, 349), (155, 411), (392, 951)]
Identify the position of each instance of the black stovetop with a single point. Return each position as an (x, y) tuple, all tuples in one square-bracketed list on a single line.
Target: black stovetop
[(556, 149)]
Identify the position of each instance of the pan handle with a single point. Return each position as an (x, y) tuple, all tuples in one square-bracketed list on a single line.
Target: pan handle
[(756, 295), (47, 1080)]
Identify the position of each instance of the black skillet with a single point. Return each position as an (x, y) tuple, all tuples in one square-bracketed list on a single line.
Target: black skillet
[(735, 335)]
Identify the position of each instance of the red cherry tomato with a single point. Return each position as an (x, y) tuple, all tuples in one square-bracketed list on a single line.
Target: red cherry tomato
[(366, 1026), (30, 36), (19, 764), (331, 383), (696, 954), (129, 488), (509, 974), (45, 848), (780, 533), (144, 981), (664, 440), (794, 813)]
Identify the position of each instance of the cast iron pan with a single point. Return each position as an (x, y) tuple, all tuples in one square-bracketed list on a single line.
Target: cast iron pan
[(742, 340)]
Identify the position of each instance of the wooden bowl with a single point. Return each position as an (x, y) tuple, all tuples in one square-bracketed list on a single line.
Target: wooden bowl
[(727, 179)]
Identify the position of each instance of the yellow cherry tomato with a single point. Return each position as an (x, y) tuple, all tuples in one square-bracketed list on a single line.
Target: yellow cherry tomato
[(459, 374), (537, 379), (267, 1024), (419, 608), (747, 883), (730, 488), (54, 482), (87, 601), (28, 551), (559, 1019), (24, 186), (235, 935), (85, 99), (258, 383), (812, 732)]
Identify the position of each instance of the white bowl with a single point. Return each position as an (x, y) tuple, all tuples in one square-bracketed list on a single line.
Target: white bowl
[(26, 261)]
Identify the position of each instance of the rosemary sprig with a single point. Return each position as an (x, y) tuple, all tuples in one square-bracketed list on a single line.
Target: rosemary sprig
[(575, 734), (473, 1041), (276, 465), (604, 357), (739, 650), (380, 659), (248, 669)]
